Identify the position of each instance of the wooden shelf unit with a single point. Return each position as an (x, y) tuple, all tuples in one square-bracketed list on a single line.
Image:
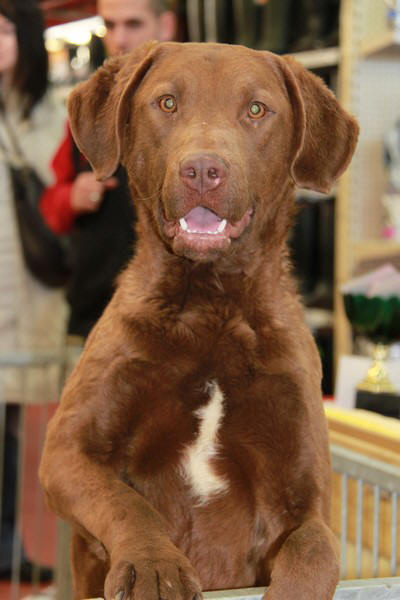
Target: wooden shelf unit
[(316, 59), (388, 41), (376, 248), (369, 87)]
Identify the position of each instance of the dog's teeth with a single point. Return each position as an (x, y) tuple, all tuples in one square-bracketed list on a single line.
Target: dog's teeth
[(221, 226)]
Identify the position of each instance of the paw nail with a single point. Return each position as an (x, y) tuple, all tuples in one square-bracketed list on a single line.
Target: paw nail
[(120, 595)]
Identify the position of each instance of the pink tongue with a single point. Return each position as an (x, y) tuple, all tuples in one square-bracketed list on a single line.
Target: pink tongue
[(202, 219)]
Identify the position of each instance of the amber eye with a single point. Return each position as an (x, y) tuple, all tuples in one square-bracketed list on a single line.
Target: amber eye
[(257, 110), (168, 104)]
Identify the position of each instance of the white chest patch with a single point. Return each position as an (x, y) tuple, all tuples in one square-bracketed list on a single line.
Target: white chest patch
[(198, 471)]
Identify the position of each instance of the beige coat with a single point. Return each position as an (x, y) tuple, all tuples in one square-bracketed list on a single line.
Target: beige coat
[(32, 317)]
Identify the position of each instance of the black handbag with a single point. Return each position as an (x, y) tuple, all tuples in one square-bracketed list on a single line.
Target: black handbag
[(45, 253)]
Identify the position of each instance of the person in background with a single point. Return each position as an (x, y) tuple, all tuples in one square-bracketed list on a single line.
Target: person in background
[(100, 216), (31, 315)]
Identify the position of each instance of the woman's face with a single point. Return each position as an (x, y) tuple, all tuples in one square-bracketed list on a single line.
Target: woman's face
[(8, 46)]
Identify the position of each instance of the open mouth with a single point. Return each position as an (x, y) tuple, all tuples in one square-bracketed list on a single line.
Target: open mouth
[(202, 233), (201, 220)]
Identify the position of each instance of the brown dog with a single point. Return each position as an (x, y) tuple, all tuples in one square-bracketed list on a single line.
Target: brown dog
[(190, 448)]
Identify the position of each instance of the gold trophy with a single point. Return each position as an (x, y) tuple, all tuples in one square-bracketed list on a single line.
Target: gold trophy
[(377, 319)]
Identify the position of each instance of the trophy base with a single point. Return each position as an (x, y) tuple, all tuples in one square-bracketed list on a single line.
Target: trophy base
[(383, 403), (381, 386), (377, 380)]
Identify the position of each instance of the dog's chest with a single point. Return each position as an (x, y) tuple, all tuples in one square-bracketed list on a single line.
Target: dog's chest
[(199, 457)]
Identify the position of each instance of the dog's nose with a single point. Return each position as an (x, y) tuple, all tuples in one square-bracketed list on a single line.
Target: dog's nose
[(202, 173)]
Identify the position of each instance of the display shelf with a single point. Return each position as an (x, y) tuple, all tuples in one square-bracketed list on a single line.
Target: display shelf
[(369, 249), (321, 57), (318, 318), (313, 196), (387, 41)]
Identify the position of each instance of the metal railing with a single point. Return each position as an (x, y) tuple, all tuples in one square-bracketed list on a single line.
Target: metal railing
[(384, 481), (31, 372)]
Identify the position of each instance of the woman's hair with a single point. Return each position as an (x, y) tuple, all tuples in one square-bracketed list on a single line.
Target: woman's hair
[(30, 78)]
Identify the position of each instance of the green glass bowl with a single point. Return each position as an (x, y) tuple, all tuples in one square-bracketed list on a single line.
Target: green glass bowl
[(376, 318)]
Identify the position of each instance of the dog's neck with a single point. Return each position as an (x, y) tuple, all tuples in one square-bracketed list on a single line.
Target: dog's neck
[(253, 291), (159, 276)]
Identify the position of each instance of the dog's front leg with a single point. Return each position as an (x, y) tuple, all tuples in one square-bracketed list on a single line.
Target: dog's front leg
[(144, 562), (306, 565)]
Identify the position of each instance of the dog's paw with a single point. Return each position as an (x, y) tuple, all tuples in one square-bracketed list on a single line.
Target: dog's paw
[(152, 579)]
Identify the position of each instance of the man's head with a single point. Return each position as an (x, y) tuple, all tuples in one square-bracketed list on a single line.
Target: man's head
[(129, 23)]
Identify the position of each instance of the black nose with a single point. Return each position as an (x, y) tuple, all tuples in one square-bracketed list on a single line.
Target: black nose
[(202, 173)]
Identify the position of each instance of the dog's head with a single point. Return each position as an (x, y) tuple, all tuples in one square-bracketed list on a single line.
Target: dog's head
[(211, 136)]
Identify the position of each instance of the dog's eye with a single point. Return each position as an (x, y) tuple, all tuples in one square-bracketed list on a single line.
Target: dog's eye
[(257, 110), (168, 104)]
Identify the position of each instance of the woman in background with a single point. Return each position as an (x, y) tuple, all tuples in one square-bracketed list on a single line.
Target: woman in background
[(31, 315)]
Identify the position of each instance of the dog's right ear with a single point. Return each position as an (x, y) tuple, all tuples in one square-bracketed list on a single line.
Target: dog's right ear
[(98, 108)]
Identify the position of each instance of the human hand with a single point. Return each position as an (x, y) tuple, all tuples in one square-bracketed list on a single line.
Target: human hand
[(87, 192)]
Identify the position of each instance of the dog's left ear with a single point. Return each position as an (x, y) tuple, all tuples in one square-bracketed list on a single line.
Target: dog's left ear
[(98, 108), (325, 134)]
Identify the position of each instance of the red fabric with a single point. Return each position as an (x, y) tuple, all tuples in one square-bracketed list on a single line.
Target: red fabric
[(55, 203)]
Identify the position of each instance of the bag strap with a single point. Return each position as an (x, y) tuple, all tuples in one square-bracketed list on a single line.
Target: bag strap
[(4, 148), (16, 147)]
